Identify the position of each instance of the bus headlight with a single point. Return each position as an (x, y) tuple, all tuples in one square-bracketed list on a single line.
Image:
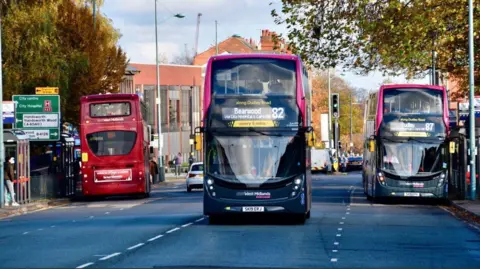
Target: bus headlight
[(210, 182), (381, 178), (441, 179), (298, 181)]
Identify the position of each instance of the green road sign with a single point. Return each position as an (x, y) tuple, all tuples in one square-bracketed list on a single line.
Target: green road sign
[(38, 116)]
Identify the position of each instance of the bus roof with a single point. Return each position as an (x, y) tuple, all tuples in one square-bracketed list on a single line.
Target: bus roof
[(254, 56), (114, 96), (425, 86)]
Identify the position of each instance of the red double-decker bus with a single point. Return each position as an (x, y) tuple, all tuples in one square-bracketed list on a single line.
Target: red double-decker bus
[(115, 144)]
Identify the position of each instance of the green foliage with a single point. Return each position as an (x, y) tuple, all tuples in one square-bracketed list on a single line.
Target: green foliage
[(53, 43), (394, 36)]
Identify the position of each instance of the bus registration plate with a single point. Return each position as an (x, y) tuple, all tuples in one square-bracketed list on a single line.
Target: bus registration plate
[(253, 209), (411, 194)]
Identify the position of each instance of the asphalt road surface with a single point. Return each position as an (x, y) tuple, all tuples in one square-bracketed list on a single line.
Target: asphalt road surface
[(169, 230)]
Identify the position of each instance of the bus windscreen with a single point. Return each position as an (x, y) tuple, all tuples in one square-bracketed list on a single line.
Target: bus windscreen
[(254, 76), (413, 113), (110, 109)]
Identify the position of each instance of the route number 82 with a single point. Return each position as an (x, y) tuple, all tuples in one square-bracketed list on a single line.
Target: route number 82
[(278, 112)]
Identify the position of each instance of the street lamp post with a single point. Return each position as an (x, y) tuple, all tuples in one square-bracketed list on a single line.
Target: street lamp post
[(329, 112), (2, 152), (473, 151), (161, 171)]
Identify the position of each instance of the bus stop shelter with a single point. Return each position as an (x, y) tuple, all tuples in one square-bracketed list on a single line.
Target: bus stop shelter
[(17, 145)]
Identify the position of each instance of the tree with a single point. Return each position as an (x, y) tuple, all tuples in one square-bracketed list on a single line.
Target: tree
[(394, 36), (185, 58), (53, 43), (162, 58), (320, 103)]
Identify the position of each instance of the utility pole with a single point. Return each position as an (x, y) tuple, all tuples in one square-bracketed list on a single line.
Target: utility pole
[(351, 114), (216, 39), (473, 150), (329, 113), (2, 151), (161, 172)]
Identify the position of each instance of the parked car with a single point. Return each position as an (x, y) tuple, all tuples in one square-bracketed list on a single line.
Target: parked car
[(195, 176), (355, 163)]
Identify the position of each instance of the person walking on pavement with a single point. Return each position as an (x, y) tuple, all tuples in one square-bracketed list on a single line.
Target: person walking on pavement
[(9, 178), (153, 169), (178, 163), (191, 159)]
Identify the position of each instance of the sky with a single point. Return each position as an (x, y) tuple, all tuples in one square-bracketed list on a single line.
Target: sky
[(136, 21)]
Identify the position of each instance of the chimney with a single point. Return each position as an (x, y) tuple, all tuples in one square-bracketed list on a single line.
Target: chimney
[(266, 41)]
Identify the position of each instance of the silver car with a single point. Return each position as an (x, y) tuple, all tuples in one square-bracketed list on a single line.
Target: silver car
[(195, 177)]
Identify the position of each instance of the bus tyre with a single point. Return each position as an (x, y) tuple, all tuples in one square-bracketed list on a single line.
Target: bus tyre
[(299, 218), (189, 189), (214, 219), (308, 215)]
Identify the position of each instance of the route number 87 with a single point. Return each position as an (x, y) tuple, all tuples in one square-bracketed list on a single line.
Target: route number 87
[(278, 112), (429, 126)]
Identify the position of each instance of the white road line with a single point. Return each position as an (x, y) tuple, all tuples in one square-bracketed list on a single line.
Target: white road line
[(25, 233), (336, 243), (106, 213), (348, 208), (338, 235), (173, 230), (85, 265), (155, 238), (40, 229), (198, 220), (340, 229), (92, 217), (122, 208), (343, 217), (136, 246), (186, 225), (335, 250), (53, 226), (110, 256), (348, 213), (334, 260), (341, 223)]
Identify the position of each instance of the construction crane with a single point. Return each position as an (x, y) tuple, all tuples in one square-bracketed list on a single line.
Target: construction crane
[(197, 33)]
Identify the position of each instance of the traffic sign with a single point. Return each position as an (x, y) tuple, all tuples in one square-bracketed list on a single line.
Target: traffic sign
[(46, 90), (38, 116)]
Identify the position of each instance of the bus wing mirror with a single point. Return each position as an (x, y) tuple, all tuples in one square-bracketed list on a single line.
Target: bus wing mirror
[(198, 142), (452, 147), (371, 145)]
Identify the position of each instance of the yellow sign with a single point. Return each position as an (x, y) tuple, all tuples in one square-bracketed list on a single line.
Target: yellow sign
[(46, 90), (413, 134), (254, 123), (452, 147), (84, 157)]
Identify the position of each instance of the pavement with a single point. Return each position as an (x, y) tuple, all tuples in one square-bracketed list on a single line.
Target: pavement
[(169, 230)]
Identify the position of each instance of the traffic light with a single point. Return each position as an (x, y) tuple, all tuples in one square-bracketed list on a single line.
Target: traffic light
[(335, 105), (339, 144)]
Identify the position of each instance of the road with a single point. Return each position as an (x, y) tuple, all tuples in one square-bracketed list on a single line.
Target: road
[(168, 230)]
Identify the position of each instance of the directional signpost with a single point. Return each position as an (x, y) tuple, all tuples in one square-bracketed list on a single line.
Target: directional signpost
[(38, 116)]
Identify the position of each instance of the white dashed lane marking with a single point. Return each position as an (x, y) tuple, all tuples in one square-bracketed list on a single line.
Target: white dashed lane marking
[(186, 225), (85, 265), (173, 230), (155, 238), (110, 256), (136, 246)]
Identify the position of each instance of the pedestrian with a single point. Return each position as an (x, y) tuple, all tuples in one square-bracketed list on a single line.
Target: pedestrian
[(178, 163), (153, 169), (191, 159), (9, 178)]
